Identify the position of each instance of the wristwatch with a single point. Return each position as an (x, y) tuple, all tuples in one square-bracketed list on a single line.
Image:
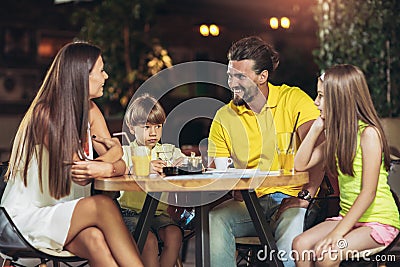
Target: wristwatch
[(304, 194)]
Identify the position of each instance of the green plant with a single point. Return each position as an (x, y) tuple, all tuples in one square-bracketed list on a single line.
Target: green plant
[(122, 29), (364, 33)]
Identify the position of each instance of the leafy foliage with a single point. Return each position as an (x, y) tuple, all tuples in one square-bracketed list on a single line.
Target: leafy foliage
[(366, 34), (121, 29)]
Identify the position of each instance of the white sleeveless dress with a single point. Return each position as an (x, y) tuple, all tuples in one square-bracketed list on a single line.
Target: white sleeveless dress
[(42, 220)]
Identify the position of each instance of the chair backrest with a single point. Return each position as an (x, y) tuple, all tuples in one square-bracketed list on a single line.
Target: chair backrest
[(3, 169), (394, 176), (325, 205), (391, 127), (11, 240), (396, 240)]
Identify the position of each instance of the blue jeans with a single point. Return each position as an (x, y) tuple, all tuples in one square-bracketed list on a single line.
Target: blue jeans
[(231, 219)]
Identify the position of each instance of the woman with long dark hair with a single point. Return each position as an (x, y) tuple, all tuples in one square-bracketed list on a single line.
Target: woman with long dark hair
[(52, 166)]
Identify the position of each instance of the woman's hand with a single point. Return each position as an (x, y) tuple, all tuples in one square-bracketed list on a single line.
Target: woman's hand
[(85, 171), (156, 166)]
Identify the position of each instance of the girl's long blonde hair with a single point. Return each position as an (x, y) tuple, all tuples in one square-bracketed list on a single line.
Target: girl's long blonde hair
[(347, 100)]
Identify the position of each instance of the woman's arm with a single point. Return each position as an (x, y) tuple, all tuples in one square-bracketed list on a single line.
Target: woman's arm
[(93, 169), (109, 149), (109, 163), (371, 162), (308, 154)]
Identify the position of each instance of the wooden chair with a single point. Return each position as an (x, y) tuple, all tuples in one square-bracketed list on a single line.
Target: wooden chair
[(13, 245), (246, 251)]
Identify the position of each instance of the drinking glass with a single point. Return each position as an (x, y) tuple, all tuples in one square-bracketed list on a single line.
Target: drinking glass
[(285, 147), (166, 153), (141, 158)]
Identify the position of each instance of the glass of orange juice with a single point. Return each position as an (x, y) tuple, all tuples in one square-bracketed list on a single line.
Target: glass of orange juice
[(141, 158), (285, 147)]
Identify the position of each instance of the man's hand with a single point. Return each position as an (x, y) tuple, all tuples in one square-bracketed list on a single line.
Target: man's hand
[(291, 202), (237, 195)]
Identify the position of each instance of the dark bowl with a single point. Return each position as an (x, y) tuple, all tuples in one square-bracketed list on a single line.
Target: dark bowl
[(169, 171), (184, 170)]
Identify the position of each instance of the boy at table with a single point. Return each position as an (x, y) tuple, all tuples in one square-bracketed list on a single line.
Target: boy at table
[(244, 130), (145, 118)]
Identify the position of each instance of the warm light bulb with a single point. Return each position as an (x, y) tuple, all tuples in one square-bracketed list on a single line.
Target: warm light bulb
[(204, 30), (285, 22), (274, 23), (214, 30)]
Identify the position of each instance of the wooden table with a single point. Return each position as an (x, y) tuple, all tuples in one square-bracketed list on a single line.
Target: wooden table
[(246, 182)]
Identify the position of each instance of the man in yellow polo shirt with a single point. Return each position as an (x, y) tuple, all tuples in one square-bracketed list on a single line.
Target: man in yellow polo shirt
[(244, 130)]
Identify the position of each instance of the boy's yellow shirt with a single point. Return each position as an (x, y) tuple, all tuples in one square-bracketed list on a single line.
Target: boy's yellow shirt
[(134, 200)]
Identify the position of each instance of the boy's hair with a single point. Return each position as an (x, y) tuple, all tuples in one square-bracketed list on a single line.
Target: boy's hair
[(144, 109)]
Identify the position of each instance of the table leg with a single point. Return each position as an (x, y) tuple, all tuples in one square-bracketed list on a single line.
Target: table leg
[(202, 236), (262, 227), (146, 218)]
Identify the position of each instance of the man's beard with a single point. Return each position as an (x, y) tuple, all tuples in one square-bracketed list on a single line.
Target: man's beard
[(238, 101), (241, 101)]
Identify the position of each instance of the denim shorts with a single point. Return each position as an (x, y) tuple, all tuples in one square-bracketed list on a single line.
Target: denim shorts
[(131, 219)]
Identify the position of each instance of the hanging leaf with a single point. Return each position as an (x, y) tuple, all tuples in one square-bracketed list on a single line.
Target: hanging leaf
[(358, 33), (120, 28)]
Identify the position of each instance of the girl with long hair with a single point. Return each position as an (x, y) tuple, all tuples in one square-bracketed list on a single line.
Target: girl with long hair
[(356, 151)]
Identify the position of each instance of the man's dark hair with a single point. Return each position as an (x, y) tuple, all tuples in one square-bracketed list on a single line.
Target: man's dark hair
[(254, 48)]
